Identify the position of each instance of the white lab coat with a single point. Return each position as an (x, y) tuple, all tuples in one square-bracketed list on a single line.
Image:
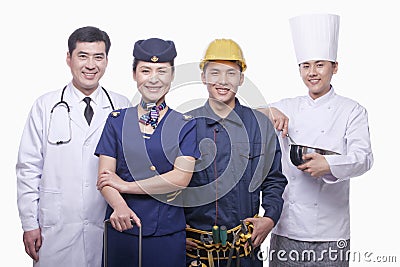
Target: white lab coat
[(317, 209), (56, 184)]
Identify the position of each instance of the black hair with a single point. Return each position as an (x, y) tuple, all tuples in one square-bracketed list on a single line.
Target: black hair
[(88, 34)]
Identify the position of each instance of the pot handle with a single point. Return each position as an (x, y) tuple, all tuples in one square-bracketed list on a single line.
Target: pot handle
[(290, 139)]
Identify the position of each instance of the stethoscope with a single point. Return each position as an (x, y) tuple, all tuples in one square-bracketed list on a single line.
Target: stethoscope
[(63, 137)]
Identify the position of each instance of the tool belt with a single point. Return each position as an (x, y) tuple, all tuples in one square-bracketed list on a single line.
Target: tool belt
[(205, 249)]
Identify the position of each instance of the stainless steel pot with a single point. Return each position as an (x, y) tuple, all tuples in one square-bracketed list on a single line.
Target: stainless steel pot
[(297, 152)]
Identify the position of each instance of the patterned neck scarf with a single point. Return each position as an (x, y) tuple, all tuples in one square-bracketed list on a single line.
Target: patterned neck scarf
[(152, 116)]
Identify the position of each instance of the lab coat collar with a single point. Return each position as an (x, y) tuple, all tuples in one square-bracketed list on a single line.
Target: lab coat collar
[(94, 96), (101, 108), (79, 96)]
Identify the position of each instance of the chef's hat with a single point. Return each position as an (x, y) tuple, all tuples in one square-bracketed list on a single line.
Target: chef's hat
[(315, 36)]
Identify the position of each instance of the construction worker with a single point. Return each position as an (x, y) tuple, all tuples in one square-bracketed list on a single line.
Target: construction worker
[(240, 157)]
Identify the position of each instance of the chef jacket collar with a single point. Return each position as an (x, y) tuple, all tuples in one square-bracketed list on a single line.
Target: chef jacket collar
[(234, 116), (322, 99)]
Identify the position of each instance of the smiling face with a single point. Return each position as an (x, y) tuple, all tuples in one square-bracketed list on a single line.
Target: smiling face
[(223, 79), (317, 76), (153, 80), (88, 63)]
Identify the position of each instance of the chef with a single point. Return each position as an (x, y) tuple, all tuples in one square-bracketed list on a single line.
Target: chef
[(316, 215)]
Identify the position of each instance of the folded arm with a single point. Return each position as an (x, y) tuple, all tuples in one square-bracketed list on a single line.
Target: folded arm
[(174, 180)]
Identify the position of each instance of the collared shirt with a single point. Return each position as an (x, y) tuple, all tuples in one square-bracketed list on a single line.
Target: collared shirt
[(317, 209), (240, 157), (79, 96)]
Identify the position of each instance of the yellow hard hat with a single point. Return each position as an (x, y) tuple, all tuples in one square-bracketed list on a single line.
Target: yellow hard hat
[(224, 49)]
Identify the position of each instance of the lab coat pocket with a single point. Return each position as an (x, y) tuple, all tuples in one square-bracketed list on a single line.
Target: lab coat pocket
[(49, 207)]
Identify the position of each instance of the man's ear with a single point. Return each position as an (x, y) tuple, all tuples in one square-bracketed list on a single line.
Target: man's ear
[(203, 77), (241, 79), (335, 67), (68, 59)]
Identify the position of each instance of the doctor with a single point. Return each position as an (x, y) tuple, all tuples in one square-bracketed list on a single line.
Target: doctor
[(60, 208)]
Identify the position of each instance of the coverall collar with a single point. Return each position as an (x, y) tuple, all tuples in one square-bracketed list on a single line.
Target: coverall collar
[(234, 116)]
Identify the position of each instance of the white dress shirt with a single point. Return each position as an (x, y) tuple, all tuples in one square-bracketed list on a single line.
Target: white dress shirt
[(317, 209), (79, 96)]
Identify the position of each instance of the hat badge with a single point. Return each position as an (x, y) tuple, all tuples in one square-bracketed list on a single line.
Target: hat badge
[(154, 59)]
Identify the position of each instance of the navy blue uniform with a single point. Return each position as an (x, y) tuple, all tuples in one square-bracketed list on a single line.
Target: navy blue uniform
[(240, 157), (140, 158)]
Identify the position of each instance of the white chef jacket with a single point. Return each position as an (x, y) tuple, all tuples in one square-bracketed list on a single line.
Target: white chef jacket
[(317, 209), (56, 184)]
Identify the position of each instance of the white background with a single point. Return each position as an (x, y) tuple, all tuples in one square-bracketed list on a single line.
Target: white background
[(34, 46)]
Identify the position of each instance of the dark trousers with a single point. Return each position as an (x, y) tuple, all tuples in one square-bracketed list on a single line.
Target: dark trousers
[(164, 251)]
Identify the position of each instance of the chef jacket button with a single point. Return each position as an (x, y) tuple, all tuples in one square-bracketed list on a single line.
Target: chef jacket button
[(322, 131), (86, 222), (152, 168), (315, 204)]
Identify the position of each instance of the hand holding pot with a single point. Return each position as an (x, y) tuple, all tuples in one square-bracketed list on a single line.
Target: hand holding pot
[(316, 165)]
